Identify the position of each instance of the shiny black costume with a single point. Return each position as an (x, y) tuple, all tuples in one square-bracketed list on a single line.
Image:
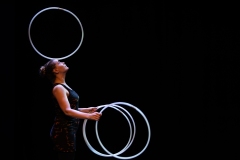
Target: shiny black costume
[(64, 129)]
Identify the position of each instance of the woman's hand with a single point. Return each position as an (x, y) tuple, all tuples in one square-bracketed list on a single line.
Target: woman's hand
[(88, 110), (91, 109), (94, 116)]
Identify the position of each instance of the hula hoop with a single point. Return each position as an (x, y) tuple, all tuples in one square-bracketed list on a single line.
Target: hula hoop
[(49, 8), (131, 137)]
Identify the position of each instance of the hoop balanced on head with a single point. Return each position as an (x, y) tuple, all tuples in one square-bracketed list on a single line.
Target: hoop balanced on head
[(56, 8)]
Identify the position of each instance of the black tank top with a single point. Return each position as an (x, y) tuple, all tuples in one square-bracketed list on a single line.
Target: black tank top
[(63, 132)]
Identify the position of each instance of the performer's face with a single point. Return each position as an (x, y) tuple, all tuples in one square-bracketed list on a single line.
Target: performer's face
[(60, 66)]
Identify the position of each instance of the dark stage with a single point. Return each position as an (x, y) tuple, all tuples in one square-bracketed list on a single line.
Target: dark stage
[(178, 63)]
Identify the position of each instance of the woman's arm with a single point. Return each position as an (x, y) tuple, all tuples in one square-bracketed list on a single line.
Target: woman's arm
[(61, 95), (88, 110)]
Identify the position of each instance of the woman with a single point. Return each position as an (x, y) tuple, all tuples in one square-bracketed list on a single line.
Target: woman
[(67, 111)]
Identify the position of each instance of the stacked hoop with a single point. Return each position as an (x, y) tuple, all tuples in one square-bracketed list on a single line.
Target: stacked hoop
[(117, 107)]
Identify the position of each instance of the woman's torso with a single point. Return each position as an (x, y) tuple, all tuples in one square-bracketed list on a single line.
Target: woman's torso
[(73, 99)]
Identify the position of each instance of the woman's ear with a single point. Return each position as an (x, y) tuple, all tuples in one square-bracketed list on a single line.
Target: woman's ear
[(55, 71)]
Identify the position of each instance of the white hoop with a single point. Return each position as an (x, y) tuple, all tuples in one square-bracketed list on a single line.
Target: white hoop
[(29, 35), (115, 106)]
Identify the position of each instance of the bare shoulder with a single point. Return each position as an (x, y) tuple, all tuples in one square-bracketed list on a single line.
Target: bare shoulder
[(58, 89)]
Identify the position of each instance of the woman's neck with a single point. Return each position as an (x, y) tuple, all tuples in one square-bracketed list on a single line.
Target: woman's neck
[(60, 80)]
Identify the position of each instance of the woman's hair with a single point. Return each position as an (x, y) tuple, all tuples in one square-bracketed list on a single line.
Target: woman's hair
[(46, 71)]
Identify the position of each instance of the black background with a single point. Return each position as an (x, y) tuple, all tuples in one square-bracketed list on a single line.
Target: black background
[(178, 63), (7, 80)]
